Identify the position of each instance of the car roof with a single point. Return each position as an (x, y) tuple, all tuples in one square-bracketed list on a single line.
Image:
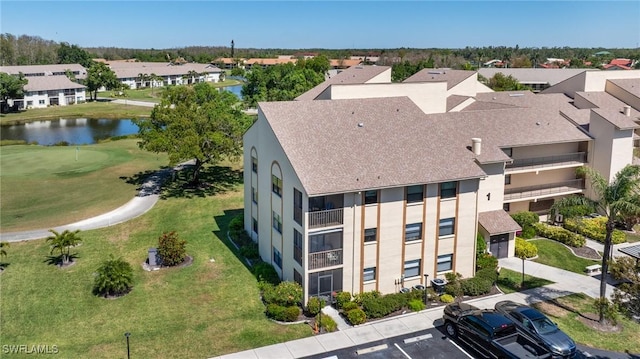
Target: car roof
[(493, 319), (530, 313)]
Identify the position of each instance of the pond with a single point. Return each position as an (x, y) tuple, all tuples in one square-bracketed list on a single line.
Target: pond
[(73, 131), (236, 90)]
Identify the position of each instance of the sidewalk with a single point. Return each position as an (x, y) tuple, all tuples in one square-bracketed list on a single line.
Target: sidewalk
[(565, 283)]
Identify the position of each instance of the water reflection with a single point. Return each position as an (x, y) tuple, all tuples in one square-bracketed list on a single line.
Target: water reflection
[(74, 131)]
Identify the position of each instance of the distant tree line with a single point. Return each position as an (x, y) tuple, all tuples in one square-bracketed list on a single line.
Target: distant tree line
[(33, 50)]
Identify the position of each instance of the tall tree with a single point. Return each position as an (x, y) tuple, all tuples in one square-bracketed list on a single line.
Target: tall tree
[(616, 200), (72, 54), (195, 123), (63, 242), (100, 75), (11, 87), (500, 82)]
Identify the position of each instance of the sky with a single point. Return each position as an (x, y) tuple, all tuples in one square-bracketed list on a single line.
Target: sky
[(301, 24)]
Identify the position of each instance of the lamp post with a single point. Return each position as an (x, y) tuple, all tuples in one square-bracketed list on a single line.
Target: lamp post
[(127, 334), (522, 285), (426, 281)]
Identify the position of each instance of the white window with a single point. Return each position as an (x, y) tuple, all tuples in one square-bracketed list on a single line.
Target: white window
[(447, 227), (412, 268), (413, 232), (40, 102), (369, 274), (277, 222), (370, 234), (445, 262)]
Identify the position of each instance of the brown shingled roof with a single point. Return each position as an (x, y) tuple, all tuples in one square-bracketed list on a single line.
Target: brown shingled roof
[(352, 75), (455, 100), (616, 118), (451, 77), (497, 222), (630, 85), (351, 145)]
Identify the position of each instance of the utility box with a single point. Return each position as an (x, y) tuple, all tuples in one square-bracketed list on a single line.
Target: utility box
[(153, 257)]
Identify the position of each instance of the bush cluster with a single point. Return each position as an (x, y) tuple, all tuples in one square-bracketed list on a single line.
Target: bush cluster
[(384, 305), (282, 313), (481, 283), (416, 305), (342, 298), (446, 298), (594, 228), (314, 305), (486, 260), (248, 248), (171, 249), (356, 316), (526, 220), (328, 323), (525, 249), (266, 273), (560, 234), (282, 300)]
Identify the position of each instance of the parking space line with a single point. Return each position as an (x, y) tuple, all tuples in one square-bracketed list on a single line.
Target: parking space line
[(460, 348), (402, 351), (371, 349), (418, 338)]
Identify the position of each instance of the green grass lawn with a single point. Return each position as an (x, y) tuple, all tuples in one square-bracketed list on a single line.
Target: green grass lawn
[(555, 254), (153, 94), (44, 187), (206, 309), (564, 311), (81, 110), (510, 281)]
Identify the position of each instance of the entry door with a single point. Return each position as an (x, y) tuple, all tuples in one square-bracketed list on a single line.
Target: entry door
[(499, 246), (325, 284)]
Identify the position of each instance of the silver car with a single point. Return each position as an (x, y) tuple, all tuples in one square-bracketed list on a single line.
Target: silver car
[(539, 327)]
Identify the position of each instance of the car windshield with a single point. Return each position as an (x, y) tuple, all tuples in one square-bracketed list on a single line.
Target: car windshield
[(544, 326)]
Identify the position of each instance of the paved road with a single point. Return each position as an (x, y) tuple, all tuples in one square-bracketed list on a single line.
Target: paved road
[(144, 201)]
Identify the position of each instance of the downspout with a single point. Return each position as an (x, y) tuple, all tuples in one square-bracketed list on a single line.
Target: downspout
[(353, 246)]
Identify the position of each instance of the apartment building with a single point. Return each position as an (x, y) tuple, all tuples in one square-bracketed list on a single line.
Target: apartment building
[(365, 184), (129, 73)]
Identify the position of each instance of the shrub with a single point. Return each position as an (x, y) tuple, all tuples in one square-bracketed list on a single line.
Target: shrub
[(481, 245), (594, 228), (327, 322), (396, 301), (250, 251), (446, 298), (560, 234), (285, 294), (525, 249), (488, 273), (476, 286), (342, 298), (314, 304), (237, 223), (114, 277), (356, 316), (361, 297), (291, 313), (416, 305), (275, 311), (486, 260), (349, 306), (528, 232), (266, 273), (377, 307), (171, 249), (525, 218)]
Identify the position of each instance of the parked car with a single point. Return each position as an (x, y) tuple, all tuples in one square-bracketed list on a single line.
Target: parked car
[(490, 333), (537, 325)]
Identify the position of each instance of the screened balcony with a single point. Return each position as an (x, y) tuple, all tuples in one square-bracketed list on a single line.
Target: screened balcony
[(326, 211), (544, 190), (325, 250), (535, 163)]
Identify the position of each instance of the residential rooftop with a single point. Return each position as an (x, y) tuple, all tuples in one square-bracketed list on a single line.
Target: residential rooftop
[(352, 75), (46, 83), (451, 77)]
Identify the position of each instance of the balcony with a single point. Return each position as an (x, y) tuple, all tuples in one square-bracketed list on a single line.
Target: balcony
[(326, 218), (544, 190), (325, 259), (547, 162)]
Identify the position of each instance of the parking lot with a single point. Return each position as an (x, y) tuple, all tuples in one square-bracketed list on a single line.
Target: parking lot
[(430, 343)]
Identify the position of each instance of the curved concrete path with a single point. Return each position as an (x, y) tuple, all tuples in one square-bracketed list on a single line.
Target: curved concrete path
[(144, 201)]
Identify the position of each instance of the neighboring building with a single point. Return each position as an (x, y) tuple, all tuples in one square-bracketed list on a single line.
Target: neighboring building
[(75, 70), (128, 72), (363, 184), (537, 79), (48, 85)]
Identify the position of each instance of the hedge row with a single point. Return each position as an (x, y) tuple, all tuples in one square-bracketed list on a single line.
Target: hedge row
[(560, 234), (525, 249), (594, 228)]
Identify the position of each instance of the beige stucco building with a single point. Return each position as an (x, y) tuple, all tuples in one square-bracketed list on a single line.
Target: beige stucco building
[(362, 184)]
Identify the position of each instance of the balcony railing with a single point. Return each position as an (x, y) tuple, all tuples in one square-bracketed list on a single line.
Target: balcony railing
[(543, 190), (325, 259), (548, 161), (329, 217)]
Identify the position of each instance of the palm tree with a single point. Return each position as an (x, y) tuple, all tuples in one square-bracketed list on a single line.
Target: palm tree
[(3, 251), (616, 199), (63, 242)]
